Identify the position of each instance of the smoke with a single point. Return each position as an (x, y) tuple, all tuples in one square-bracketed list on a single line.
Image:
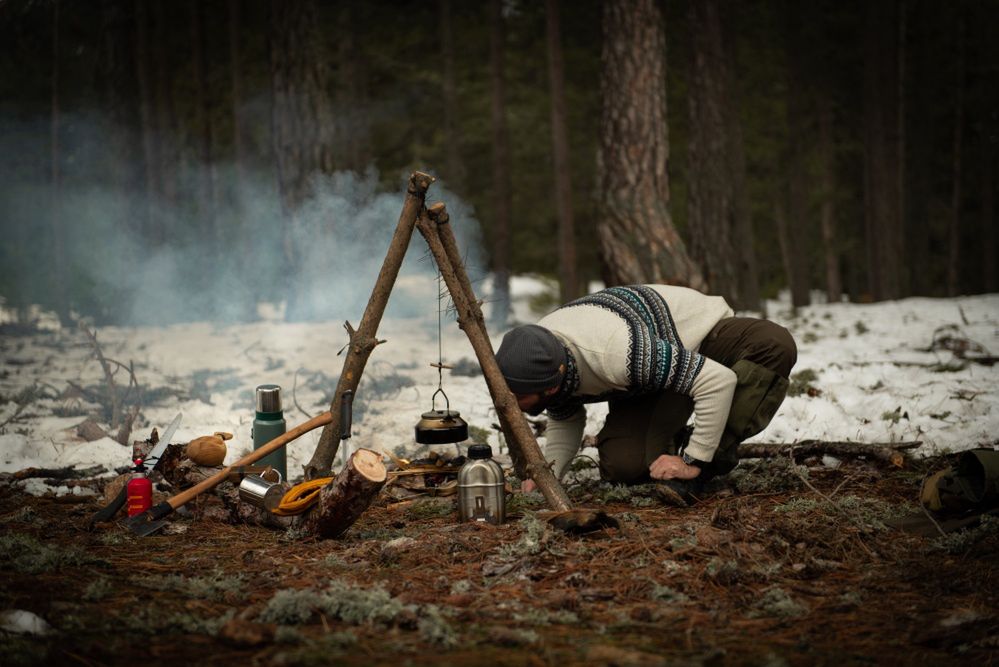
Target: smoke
[(129, 258)]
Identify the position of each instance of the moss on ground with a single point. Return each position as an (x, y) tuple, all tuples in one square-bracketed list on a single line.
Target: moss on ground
[(216, 586), (355, 605), (20, 552)]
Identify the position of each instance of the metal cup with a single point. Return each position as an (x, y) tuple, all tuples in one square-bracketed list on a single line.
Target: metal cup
[(261, 493)]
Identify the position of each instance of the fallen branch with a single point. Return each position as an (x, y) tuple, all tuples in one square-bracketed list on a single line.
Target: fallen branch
[(889, 452), (59, 473)]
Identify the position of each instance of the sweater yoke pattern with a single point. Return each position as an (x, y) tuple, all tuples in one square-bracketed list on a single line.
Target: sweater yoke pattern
[(656, 358)]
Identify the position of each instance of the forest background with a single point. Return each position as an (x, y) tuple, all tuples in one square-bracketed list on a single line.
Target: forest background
[(175, 161)]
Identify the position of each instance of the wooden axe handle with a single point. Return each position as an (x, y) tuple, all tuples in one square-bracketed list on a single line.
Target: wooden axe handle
[(277, 443)]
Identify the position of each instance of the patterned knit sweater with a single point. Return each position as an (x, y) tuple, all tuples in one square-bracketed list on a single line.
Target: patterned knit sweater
[(629, 341)]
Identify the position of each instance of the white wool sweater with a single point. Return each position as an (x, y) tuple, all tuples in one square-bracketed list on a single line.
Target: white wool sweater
[(637, 340)]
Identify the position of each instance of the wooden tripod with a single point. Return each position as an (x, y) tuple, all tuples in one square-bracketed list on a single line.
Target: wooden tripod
[(434, 225)]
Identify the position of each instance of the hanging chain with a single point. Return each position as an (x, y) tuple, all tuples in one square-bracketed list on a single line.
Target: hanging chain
[(440, 352)]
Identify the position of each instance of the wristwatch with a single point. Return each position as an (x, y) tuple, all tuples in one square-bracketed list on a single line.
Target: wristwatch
[(691, 461)]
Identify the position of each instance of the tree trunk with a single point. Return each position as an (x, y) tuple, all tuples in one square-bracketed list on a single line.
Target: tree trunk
[(560, 152), (454, 168), (744, 237), (363, 341), (827, 183), (502, 197), (353, 147), (205, 172), (881, 150), (784, 239), (245, 241), (798, 219), (988, 222), (149, 145), (638, 242), (904, 271), (921, 150), (58, 234), (954, 226), (167, 151), (345, 498), (122, 154), (301, 127), (236, 95), (710, 195)]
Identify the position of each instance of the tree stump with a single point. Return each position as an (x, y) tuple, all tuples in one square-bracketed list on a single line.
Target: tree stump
[(351, 492)]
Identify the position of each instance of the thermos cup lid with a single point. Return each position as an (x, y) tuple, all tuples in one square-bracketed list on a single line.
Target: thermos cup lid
[(269, 398), (480, 452)]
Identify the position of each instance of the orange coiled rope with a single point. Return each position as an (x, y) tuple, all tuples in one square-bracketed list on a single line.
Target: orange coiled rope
[(301, 497)]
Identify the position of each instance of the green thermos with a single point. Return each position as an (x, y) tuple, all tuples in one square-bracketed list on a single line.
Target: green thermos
[(268, 424)]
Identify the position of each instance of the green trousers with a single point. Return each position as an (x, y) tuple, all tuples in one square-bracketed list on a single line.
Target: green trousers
[(639, 430)]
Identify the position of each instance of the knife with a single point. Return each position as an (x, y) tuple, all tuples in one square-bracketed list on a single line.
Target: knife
[(149, 464)]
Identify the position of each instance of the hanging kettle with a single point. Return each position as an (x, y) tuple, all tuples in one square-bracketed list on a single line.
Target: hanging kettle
[(441, 427)]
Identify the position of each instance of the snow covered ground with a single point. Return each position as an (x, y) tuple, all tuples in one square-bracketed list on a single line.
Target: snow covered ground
[(875, 381)]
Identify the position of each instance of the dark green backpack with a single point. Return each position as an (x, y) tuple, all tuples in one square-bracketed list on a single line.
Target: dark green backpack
[(972, 484)]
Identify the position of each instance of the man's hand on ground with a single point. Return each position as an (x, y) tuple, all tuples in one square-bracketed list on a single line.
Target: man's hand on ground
[(528, 485), (672, 467)]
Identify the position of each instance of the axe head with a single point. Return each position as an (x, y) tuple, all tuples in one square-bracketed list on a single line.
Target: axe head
[(149, 521)]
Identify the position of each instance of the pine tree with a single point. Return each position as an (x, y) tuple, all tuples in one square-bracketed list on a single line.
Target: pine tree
[(638, 241)]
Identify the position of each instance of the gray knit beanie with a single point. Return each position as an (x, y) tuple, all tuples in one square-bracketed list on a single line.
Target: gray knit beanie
[(531, 359)]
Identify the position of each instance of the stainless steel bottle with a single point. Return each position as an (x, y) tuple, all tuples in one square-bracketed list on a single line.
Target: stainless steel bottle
[(481, 493), (268, 424)]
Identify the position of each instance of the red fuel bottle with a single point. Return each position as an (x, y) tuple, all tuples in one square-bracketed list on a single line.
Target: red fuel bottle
[(140, 491)]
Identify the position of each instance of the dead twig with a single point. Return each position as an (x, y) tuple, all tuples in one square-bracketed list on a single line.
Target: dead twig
[(108, 375), (294, 395), (832, 503), (932, 520), (14, 417), (842, 484), (123, 422), (126, 426)]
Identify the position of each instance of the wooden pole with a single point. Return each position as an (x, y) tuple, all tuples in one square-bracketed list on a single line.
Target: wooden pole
[(363, 341), (527, 457)]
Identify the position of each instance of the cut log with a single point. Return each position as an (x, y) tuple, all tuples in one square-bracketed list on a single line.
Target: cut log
[(345, 498)]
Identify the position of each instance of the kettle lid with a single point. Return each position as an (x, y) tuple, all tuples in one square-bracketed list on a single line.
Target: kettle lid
[(480, 451)]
